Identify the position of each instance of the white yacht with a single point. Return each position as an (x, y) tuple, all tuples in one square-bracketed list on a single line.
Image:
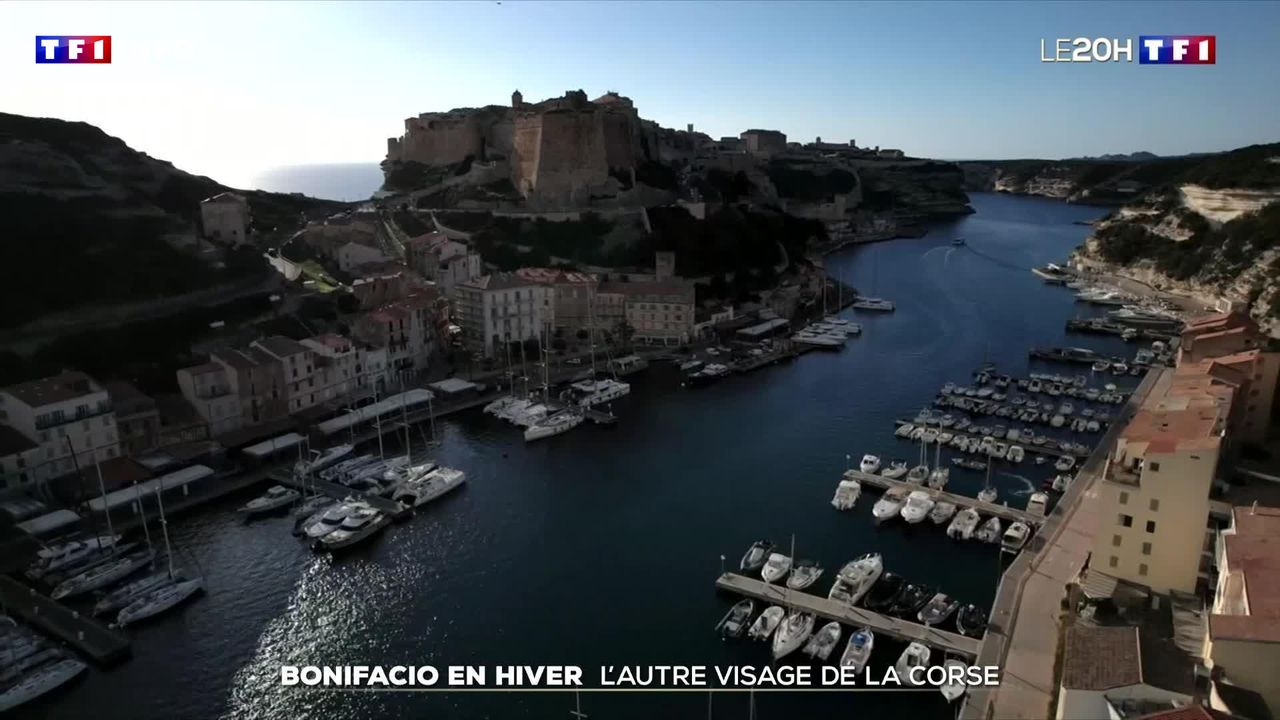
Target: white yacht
[(916, 655), (71, 554), (1064, 463), (860, 574), (989, 531), (325, 522), (803, 574), (858, 650), (889, 504), (1038, 504), (870, 464), (954, 688), (896, 470), (357, 527), (39, 682), (846, 496), (1016, 454), (919, 504), (276, 497), (918, 474), (938, 477), (988, 494), (103, 575), (428, 487), (561, 422), (775, 568), (942, 512), (589, 393), (823, 642), (1016, 536), (768, 621), (904, 430), (792, 634), (962, 527), (158, 600)]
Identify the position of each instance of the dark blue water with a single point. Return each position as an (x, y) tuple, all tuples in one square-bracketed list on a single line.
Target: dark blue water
[(334, 181), (602, 546)]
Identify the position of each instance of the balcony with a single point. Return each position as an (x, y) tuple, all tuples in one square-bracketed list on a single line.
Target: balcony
[(53, 421), (1120, 474)]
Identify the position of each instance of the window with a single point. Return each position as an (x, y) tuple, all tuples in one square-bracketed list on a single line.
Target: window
[(1146, 548), (1115, 541), (1151, 526), (1124, 498), (1155, 466), (1126, 520), (1142, 569), (1115, 561), (1154, 504)]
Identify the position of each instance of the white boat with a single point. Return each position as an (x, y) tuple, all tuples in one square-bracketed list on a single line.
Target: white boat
[(1038, 504), (428, 487), (929, 436), (889, 504), (965, 522), (938, 477), (918, 474), (823, 642), (1064, 464), (1057, 421), (1016, 454), (276, 497), (846, 496), (896, 470), (357, 527), (1060, 482), (792, 634), (775, 568), (325, 522), (989, 531), (822, 341), (755, 556), (919, 504), (556, 424), (937, 610), (858, 650), (942, 512), (1015, 536), (71, 554), (870, 464), (321, 460), (904, 430), (803, 574), (589, 393), (916, 655), (768, 621), (988, 494), (158, 600), (127, 593), (954, 688), (102, 575), (875, 304), (312, 505), (39, 682), (859, 575)]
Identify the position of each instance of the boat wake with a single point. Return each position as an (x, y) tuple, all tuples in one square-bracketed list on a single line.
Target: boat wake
[(996, 260), (1028, 488)]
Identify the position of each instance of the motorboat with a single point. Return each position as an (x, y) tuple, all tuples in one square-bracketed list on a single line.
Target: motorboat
[(312, 505), (755, 556), (918, 474), (325, 522), (919, 504), (775, 568), (938, 609), (861, 574), (426, 488), (803, 574), (942, 512), (41, 681), (874, 304), (968, 464), (127, 593), (915, 656), (885, 592), (792, 634), (929, 437), (1064, 464), (321, 460), (1038, 504), (971, 620), (904, 430), (823, 642), (858, 650), (989, 531), (938, 477), (276, 497), (955, 686), (1016, 454), (735, 622), (102, 575), (589, 393), (889, 504), (870, 464), (896, 470), (962, 527), (1015, 536), (359, 526), (689, 366), (555, 424), (1060, 482), (913, 598), (72, 554), (162, 598), (846, 496), (768, 621)]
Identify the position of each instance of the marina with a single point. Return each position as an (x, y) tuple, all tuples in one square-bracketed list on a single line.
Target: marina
[(1004, 512), (90, 638)]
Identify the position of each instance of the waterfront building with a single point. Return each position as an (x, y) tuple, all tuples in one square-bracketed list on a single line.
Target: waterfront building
[(1242, 646), (572, 296), (657, 312), (1121, 671), (407, 330), (501, 308), (137, 419), (1153, 497), (225, 218), (179, 421), (69, 416), (386, 285), (208, 390), (1232, 345), (257, 380), (302, 386)]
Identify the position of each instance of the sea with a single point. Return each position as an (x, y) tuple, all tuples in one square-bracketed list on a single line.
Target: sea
[(601, 547), (333, 181)]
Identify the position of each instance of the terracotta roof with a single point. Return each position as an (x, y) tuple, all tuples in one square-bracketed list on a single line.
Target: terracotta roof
[(1190, 712), (553, 276), (1185, 411), (1101, 658), (1253, 550), (13, 442), (67, 385)]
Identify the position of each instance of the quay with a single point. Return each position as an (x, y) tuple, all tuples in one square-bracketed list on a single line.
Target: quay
[(388, 507), (1031, 448), (1097, 326), (849, 615), (92, 639), (1004, 512)]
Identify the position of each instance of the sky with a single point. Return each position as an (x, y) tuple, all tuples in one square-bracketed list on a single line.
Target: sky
[(231, 89)]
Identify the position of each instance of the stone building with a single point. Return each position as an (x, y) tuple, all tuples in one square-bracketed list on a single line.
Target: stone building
[(764, 142), (225, 218), (657, 312), (443, 261), (208, 391), (572, 296), (1231, 347), (501, 308)]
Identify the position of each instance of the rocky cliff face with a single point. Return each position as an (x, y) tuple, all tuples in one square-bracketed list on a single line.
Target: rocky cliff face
[(914, 189)]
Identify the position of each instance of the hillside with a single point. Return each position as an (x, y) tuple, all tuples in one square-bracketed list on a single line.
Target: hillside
[(92, 222)]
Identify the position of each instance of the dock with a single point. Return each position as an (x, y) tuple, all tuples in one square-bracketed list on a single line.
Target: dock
[(1029, 447), (849, 615), (1098, 326), (1003, 512), (388, 507), (89, 637)]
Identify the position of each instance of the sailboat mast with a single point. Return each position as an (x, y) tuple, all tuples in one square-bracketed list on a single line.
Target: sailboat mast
[(164, 526), (102, 488), (137, 495), (404, 420)]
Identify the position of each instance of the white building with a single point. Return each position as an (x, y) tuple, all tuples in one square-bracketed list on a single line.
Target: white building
[(69, 418), (353, 255), (501, 308), (302, 382), (225, 218), (446, 262), (209, 389)]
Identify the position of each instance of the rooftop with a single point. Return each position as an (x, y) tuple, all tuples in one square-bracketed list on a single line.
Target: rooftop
[(1101, 658), (683, 289), (127, 399), (498, 281), (237, 359), (280, 346), (67, 385), (1252, 549), (1184, 412), (13, 442), (224, 197)]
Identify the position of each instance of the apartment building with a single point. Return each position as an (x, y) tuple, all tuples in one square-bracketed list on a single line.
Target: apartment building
[(302, 382), (502, 308), (137, 418), (208, 389), (445, 262), (1232, 345), (68, 417), (572, 296), (19, 458), (657, 312), (257, 380), (1153, 497), (407, 330)]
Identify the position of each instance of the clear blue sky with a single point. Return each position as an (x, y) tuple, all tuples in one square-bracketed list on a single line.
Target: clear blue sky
[(232, 89)]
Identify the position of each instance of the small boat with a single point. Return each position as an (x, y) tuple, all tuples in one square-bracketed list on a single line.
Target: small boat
[(885, 592), (889, 505), (955, 687), (803, 574), (962, 527), (918, 506), (918, 474), (968, 464), (1016, 454), (755, 556), (792, 634), (915, 656), (1060, 483), (768, 621), (971, 620), (860, 575), (158, 600), (913, 598), (938, 477), (988, 494), (942, 512), (734, 622), (896, 470), (904, 430), (847, 493), (425, 488), (1038, 504), (775, 568), (102, 575), (552, 425), (823, 642), (1064, 464), (276, 497), (40, 682), (870, 464), (1016, 536), (858, 650), (937, 610), (989, 531), (870, 303)]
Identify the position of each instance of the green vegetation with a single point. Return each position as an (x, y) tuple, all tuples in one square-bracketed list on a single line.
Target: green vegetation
[(810, 185), (723, 186), (412, 175)]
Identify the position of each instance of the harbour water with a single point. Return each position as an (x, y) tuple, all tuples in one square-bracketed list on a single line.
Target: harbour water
[(600, 547), (333, 181)]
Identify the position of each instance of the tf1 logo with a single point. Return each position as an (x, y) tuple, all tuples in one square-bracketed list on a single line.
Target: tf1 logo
[(73, 49), (1152, 50)]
